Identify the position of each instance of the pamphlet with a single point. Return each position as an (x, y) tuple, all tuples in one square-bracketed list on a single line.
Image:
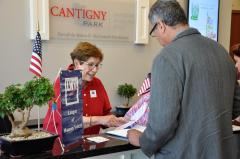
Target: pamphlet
[(235, 128), (123, 132), (97, 139)]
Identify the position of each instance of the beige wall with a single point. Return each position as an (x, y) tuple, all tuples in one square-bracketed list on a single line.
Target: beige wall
[(123, 62), (225, 23), (236, 5)]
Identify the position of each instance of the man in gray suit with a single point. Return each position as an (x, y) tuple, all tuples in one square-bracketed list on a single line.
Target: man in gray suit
[(193, 84)]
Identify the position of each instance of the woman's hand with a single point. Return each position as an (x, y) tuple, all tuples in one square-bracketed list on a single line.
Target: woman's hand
[(112, 121), (107, 120)]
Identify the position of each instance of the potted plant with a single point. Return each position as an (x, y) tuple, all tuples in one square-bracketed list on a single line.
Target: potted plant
[(127, 91), (22, 98)]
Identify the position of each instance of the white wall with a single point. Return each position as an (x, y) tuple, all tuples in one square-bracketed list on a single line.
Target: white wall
[(123, 62)]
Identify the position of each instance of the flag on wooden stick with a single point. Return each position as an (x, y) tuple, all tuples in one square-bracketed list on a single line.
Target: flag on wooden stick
[(36, 59), (146, 85)]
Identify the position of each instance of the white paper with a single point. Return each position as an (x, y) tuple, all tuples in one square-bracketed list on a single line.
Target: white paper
[(123, 132), (236, 128), (97, 139), (120, 132), (139, 128), (128, 124), (136, 116), (140, 112)]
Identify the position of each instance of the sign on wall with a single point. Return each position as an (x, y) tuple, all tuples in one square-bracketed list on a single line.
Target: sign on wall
[(203, 15), (104, 20)]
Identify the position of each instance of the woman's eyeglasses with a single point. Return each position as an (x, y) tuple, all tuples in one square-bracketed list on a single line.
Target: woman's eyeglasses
[(92, 65)]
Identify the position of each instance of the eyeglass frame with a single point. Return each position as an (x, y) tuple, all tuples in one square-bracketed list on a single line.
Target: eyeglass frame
[(92, 65), (152, 30)]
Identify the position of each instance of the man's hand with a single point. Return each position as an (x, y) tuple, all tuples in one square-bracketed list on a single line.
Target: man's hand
[(133, 137)]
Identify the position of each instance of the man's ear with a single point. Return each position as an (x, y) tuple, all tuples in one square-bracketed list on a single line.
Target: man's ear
[(162, 26)]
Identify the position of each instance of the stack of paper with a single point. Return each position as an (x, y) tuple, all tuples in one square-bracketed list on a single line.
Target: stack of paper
[(123, 132)]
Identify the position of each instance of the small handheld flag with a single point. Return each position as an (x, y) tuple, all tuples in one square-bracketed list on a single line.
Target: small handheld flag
[(36, 59), (146, 85)]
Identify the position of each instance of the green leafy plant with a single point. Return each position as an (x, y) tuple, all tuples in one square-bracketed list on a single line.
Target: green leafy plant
[(127, 91), (22, 98)]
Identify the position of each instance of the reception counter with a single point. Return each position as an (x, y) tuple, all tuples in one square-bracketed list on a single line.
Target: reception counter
[(114, 148)]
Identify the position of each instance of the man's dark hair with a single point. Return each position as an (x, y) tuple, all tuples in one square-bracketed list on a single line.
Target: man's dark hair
[(168, 11)]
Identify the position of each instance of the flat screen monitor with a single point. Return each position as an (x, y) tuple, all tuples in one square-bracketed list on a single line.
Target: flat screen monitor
[(204, 16)]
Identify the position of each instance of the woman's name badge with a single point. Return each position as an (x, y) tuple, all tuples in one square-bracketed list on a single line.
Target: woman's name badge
[(93, 93)]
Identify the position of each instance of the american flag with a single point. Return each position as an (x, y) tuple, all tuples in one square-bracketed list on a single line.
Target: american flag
[(146, 85), (36, 59)]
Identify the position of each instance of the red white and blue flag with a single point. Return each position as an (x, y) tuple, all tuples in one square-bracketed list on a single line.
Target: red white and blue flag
[(146, 85), (36, 59)]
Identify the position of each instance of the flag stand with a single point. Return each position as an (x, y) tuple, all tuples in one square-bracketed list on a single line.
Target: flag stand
[(37, 29), (52, 115), (38, 107), (38, 119)]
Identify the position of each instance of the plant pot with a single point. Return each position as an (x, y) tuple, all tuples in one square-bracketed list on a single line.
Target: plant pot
[(25, 147), (121, 111)]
